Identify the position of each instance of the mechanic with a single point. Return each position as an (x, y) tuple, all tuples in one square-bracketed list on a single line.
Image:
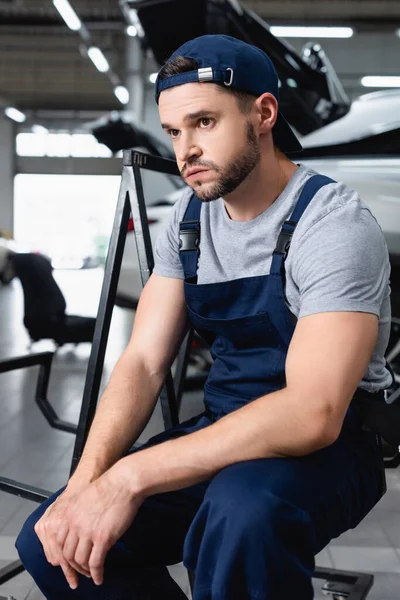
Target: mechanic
[(278, 464)]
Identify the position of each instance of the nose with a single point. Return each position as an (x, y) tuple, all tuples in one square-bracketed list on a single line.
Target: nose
[(186, 149)]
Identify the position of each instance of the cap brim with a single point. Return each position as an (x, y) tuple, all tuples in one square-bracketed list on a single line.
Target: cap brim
[(284, 137)]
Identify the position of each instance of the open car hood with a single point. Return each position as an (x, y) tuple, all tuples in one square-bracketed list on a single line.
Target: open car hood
[(310, 94)]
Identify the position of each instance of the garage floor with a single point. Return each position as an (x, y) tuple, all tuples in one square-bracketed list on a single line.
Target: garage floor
[(30, 451)]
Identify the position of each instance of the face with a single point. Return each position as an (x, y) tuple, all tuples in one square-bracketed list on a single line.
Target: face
[(215, 144)]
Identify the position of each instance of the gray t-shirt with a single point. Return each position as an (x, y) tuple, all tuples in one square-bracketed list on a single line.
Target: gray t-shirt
[(338, 258)]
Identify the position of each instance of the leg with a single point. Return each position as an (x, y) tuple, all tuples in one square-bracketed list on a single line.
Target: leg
[(262, 521), (135, 567)]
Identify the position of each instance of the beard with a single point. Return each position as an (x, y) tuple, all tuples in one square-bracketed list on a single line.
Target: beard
[(233, 174)]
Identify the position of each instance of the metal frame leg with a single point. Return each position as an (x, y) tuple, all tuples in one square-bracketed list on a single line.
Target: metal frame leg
[(44, 361), (18, 488), (340, 584), (345, 584)]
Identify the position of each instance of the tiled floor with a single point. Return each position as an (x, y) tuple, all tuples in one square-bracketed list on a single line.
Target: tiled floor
[(32, 452)]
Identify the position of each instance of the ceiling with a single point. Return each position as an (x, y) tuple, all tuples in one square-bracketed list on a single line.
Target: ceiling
[(43, 68)]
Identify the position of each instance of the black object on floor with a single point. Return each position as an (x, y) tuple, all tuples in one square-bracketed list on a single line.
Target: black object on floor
[(44, 304)]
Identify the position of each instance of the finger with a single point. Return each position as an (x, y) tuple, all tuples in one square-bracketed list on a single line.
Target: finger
[(69, 548), (62, 533), (96, 562), (54, 549), (82, 554), (40, 530), (69, 551), (70, 575)]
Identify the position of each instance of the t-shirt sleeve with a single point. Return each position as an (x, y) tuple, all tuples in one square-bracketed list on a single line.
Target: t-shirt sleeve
[(342, 263), (166, 250)]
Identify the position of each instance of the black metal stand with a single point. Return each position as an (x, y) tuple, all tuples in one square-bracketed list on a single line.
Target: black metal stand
[(43, 360), (341, 584), (345, 584), (130, 200)]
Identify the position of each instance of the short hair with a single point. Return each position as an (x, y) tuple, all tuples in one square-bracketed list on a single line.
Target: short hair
[(181, 64)]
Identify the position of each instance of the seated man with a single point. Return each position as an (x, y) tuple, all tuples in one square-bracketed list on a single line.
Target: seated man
[(278, 464)]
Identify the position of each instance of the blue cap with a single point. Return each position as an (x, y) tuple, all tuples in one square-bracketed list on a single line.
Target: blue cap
[(229, 62)]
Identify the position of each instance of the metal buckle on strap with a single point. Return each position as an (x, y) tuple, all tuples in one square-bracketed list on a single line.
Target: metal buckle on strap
[(189, 239), (283, 243), (291, 224), (285, 237)]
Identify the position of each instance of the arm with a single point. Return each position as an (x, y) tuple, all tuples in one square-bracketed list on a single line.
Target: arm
[(327, 358), (130, 397)]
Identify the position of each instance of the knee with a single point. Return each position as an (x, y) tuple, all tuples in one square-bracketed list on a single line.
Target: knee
[(28, 544), (242, 499)]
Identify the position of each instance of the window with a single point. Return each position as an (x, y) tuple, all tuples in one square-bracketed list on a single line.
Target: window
[(78, 145)]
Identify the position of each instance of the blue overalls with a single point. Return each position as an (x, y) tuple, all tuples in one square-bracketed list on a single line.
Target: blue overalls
[(253, 530)]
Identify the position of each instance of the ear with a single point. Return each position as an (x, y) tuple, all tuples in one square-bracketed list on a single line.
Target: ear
[(267, 109)]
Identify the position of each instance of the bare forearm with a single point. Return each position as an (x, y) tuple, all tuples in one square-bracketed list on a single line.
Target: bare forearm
[(122, 414), (271, 426)]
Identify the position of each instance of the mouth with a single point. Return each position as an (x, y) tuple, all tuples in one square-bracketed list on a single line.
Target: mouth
[(195, 173)]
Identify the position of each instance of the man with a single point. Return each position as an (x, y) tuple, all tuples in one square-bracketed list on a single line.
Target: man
[(278, 463)]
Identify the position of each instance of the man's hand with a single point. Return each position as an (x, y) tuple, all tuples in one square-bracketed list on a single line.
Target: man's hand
[(78, 533), (47, 529)]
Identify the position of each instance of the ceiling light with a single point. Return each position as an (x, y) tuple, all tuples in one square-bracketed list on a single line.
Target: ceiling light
[(312, 32), (131, 31), (15, 114), (39, 129), (381, 81), (68, 14), (98, 59), (135, 21), (153, 77), (122, 94)]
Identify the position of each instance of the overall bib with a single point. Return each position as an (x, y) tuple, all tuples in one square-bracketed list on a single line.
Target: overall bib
[(252, 531)]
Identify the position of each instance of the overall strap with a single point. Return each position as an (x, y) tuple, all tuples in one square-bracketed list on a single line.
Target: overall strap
[(311, 187), (189, 238)]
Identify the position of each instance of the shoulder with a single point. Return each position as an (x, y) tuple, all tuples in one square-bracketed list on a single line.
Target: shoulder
[(337, 234), (338, 258), (338, 208)]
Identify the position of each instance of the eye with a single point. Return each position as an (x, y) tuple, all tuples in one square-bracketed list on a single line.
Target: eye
[(173, 133), (205, 122)]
